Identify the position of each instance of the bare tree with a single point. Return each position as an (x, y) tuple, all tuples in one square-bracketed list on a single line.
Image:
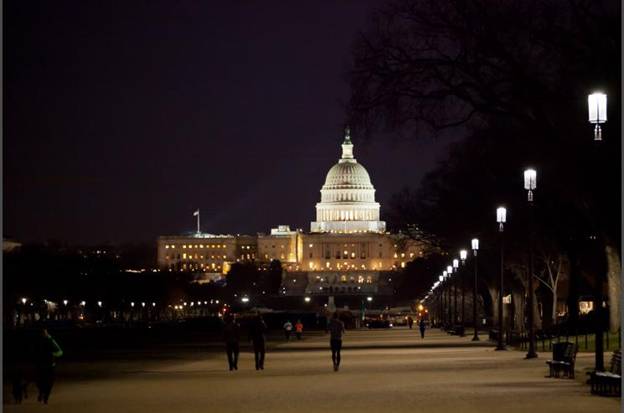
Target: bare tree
[(553, 267)]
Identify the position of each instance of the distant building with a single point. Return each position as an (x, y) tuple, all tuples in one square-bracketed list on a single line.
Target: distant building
[(347, 252)]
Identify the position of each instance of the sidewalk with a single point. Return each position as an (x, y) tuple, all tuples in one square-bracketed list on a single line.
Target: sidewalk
[(381, 371)]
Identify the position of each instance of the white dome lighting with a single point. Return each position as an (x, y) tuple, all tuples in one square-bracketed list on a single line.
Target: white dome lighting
[(347, 198)]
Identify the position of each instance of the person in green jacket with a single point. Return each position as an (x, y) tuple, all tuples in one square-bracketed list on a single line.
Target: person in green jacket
[(47, 351)]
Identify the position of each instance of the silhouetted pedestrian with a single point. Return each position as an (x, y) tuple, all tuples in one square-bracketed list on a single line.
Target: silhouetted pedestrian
[(298, 329), (410, 322), (46, 352), (288, 329), (231, 336), (336, 329), (15, 362), (422, 328), (257, 332)]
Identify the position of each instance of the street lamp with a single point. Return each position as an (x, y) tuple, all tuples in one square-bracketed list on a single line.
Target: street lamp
[(455, 310), (440, 298), (369, 299), (449, 271), (501, 218), (475, 248), (306, 299), (463, 254), (530, 183), (597, 105)]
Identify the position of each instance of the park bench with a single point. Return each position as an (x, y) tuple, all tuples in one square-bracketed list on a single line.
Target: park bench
[(608, 383), (564, 358), (455, 330)]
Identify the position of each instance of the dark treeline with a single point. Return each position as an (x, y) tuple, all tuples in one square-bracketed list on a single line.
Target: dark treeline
[(512, 82)]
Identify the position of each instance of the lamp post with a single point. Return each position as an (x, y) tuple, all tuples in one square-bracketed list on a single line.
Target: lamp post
[(456, 311), (475, 248), (463, 254), (597, 105), (446, 299), (440, 298), (501, 218), (449, 298), (530, 183)]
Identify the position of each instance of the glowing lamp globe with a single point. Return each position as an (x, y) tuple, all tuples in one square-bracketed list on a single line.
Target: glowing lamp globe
[(597, 106)]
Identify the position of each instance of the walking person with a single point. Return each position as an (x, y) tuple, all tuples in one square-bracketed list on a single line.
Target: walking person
[(288, 329), (410, 322), (298, 329), (336, 330), (231, 336), (47, 351), (422, 327), (257, 332)]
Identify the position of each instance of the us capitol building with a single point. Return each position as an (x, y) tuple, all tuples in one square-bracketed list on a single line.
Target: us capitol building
[(346, 252)]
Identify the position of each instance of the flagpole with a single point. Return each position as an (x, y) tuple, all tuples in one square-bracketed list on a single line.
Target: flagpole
[(198, 221)]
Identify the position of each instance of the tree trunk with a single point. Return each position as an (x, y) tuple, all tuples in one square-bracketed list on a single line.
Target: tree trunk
[(613, 287), (554, 307), (537, 320), (494, 295)]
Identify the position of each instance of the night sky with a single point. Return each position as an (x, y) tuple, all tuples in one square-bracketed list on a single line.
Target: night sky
[(121, 120)]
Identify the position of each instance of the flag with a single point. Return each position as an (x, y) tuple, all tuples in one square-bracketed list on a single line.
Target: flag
[(196, 213)]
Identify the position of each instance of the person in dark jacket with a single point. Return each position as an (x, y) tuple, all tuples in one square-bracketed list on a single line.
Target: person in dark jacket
[(47, 351), (257, 332), (336, 330), (410, 322), (15, 359), (231, 336), (422, 327)]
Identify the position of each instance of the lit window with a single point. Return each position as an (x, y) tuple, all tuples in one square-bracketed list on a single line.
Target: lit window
[(395, 255), (311, 245), (403, 264), (360, 279), (353, 255), (184, 256), (184, 246), (166, 246)]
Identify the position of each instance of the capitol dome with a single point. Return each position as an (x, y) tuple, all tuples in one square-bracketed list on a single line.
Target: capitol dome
[(347, 198)]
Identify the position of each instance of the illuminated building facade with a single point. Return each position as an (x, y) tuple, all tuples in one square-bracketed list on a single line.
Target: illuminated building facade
[(347, 251)]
